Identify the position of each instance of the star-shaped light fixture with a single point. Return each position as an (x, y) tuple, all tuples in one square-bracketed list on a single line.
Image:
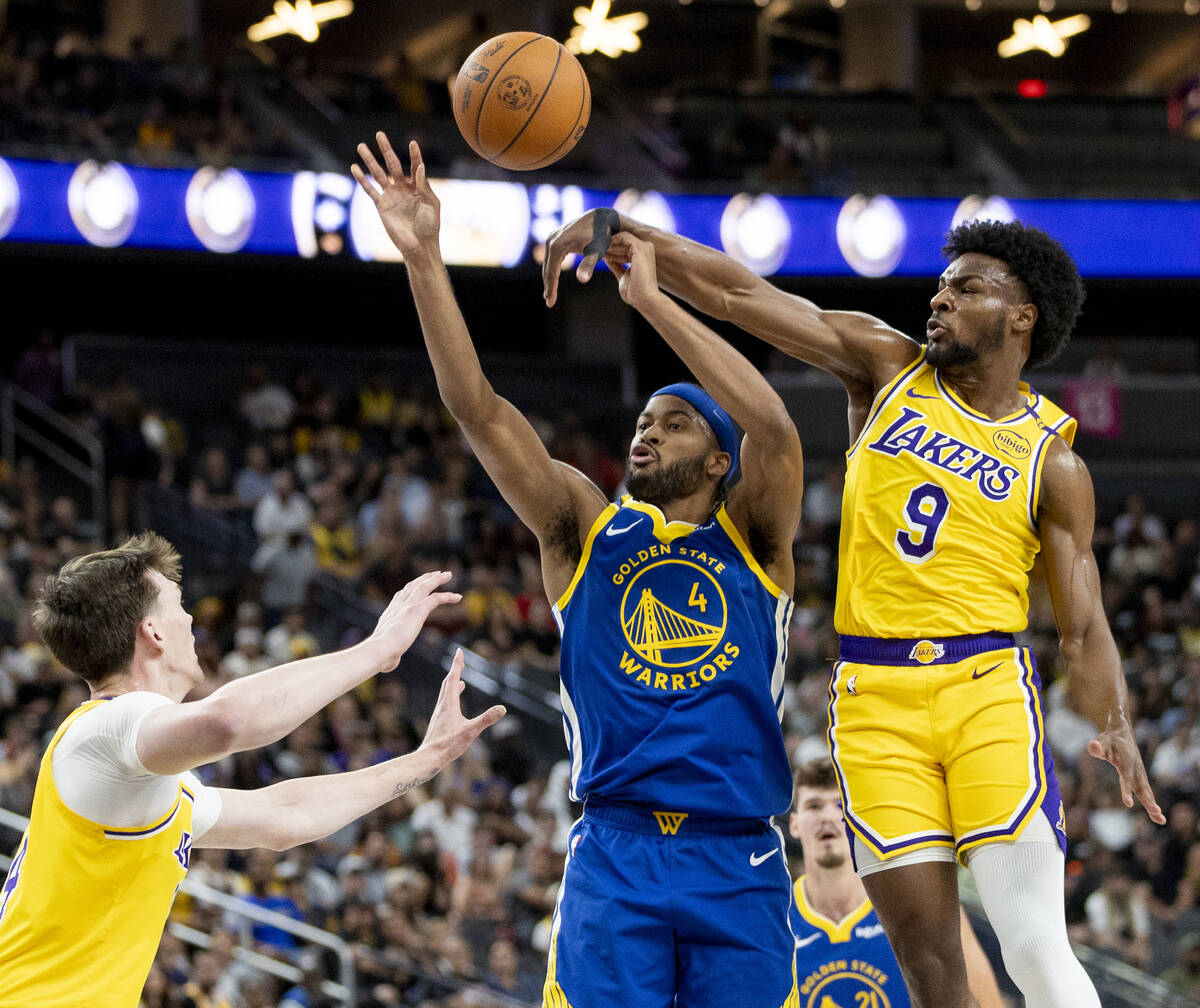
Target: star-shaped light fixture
[(1044, 34), (302, 18), (595, 31)]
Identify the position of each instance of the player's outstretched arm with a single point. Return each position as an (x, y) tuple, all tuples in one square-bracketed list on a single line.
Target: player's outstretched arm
[(309, 808), (260, 709), (538, 488), (772, 457), (861, 351), (1067, 515)]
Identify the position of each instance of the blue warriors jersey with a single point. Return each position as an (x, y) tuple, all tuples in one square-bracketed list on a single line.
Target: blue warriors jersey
[(846, 964), (673, 649), (83, 907), (939, 514)]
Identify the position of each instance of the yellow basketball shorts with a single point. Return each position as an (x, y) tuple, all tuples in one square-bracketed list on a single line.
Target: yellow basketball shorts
[(939, 742)]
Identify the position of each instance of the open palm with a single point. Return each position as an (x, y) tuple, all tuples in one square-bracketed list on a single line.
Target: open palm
[(410, 212)]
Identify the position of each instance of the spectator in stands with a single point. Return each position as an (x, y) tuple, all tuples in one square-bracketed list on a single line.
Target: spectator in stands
[(1119, 917), (334, 538), (286, 574), (282, 512), (247, 656), (212, 486), (265, 404), (307, 992), (289, 638), (1184, 977), (799, 157), (262, 888), (449, 819), (200, 991), (504, 975), (253, 479), (1138, 535)]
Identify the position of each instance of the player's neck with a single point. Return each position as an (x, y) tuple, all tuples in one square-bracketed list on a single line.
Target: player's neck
[(112, 687), (994, 396), (834, 893)]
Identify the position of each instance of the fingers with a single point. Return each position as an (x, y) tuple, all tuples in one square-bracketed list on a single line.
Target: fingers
[(417, 165), (422, 585), (587, 265), (369, 188), (373, 166), (488, 718), (395, 169), (1133, 785), (550, 269)]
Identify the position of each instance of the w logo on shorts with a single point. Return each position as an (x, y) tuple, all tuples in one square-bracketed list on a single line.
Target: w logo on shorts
[(669, 822)]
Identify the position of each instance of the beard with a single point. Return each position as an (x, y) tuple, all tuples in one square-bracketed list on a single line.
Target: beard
[(952, 353), (831, 859), (666, 483)]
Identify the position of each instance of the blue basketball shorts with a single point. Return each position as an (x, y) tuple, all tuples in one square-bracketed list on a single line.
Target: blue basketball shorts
[(664, 909)]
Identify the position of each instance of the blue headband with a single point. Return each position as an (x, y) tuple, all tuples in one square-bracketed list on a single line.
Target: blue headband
[(718, 420)]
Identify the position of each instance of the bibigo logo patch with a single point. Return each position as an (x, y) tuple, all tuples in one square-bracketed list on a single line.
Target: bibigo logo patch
[(1012, 444)]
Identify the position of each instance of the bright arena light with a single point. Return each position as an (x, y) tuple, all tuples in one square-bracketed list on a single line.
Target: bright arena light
[(649, 207), (103, 203), (755, 231), (220, 208), (10, 198), (871, 235), (320, 202), (483, 224), (983, 208)]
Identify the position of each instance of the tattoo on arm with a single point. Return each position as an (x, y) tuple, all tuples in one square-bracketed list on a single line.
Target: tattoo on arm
[(405, 786)]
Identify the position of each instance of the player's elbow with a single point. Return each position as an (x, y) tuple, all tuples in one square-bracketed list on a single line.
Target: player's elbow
[(224, 725)]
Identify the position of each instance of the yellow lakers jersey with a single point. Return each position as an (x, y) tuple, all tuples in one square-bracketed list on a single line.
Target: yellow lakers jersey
[(939, 515), (84, 905)]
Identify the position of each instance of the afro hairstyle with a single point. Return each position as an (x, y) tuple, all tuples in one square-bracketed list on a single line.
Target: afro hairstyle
[(1041, 264)]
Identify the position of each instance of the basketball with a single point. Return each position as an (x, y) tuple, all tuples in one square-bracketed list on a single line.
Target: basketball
[(521, 101)]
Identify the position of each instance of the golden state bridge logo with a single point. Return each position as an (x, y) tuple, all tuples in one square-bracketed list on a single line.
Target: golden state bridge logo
[(673, 613)]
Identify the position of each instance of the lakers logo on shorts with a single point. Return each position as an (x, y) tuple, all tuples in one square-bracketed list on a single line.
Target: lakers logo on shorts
[(673, 613), (927, 651)]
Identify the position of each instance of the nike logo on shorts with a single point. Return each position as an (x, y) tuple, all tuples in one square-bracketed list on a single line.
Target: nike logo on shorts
[(917, 395), (801, 942), (980, 675), (620, 531), (757, 859)]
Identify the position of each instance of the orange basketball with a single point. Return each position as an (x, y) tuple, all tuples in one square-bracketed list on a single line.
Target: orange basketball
[(521, 100)]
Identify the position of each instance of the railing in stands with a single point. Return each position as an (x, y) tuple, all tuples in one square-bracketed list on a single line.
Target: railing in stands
[(28, 425)]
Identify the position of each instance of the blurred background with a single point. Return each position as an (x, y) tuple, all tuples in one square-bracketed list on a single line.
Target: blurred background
[(205, 335)]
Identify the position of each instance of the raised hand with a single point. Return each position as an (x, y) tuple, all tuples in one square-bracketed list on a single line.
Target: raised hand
[(450, 732), (631, 261), (410, 607), (410, 211), (586, 236)]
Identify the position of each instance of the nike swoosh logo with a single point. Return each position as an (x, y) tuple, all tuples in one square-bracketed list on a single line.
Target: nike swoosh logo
[(980, 675), (619, 531), (801, 942), (917, 395), (757, 859)]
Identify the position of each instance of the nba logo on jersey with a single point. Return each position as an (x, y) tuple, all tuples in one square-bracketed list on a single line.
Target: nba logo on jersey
[(926, 652)]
